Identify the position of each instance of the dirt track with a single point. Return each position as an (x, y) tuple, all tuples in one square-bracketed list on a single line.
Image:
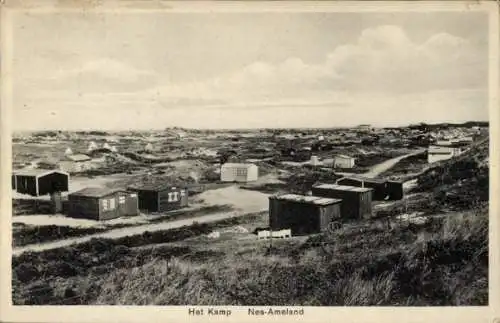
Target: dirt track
[(243, 201), (388, 164), (380, 168)]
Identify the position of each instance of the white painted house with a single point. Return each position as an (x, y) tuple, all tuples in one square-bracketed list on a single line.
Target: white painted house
[(239, 172), (437, 153), (343, 161)]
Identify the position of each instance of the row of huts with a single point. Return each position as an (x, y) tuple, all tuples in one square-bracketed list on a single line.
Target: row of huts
[(330, 204), (100, 203), (382, 189)]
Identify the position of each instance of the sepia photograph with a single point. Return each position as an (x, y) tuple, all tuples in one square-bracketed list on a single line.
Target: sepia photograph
[(271, 159)]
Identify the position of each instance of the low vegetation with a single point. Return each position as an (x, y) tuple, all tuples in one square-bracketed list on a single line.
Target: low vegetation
[(441, 262), (23, 234), (26, 234), (460, 184)]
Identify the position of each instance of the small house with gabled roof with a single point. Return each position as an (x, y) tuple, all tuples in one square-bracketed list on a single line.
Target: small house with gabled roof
[(102, 203), (39, 182)]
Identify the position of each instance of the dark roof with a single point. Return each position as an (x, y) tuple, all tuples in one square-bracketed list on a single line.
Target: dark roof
[(306, 199), (363, 179), (343, 188), (37, 172), (96, 191), (154, 186)]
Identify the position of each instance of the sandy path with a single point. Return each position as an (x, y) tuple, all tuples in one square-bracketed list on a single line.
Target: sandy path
[(388, 164), (244, 201)]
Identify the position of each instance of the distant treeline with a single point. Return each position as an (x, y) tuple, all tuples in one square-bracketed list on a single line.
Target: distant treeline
[(468, 124)]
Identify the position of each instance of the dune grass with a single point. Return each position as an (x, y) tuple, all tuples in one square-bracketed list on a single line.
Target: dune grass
[(443, 261)]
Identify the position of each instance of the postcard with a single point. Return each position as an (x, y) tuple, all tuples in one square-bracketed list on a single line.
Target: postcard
[(242, 161)]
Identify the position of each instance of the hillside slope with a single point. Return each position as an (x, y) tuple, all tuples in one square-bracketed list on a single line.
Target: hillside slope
[(459, 183)]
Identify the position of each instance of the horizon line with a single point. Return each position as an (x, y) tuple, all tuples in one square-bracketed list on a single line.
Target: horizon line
[(254, 128)]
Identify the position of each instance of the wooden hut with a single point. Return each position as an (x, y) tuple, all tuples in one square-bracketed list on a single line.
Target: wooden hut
[(303, 214), (356, 201), (395, 190), (160, 197), (379, 186), (39, 182), (98, 203)]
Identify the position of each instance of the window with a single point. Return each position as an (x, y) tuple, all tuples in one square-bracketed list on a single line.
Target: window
[(241, 172), (183, 193), (112, 204), (105, 205), (173, 196), (121, 200), (133, 195)]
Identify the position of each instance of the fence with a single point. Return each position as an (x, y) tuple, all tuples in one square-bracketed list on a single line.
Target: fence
[(287, 233)]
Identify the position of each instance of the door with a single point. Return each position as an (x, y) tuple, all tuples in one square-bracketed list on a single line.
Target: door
[(132, 204), (122, 204)]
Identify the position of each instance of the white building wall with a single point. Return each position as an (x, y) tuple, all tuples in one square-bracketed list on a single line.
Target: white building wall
[(235, 173), (432, 157), (252, 173), (344, 163), (436, 154)]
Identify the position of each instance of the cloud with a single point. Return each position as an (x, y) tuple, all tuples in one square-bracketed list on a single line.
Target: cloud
[(382, 59)]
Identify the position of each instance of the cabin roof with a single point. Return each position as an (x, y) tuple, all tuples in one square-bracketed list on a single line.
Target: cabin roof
[(307, 199), (246, 165), (37, 172), (96, 191), (344, 157), (364, 179), (343, 188), (153, 186)]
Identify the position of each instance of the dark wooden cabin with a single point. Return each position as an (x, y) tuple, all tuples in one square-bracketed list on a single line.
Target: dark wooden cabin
[(395, 190), (160, 197), (356, 201), (379, 186), (303, 214), (97, 203), (39, 182)]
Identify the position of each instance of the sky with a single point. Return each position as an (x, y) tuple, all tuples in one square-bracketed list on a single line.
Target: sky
[(247, 70)]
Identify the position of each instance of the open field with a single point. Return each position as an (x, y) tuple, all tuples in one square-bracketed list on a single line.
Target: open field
[(426, 249), (365, 264)]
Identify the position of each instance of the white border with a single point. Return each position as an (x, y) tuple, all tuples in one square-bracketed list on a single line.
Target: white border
[(10, 313)]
